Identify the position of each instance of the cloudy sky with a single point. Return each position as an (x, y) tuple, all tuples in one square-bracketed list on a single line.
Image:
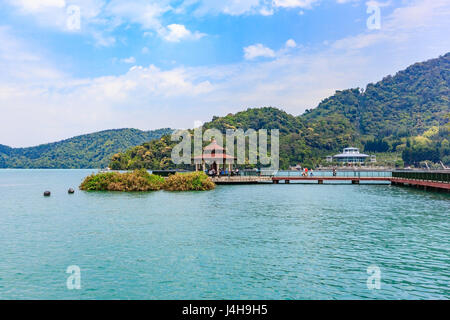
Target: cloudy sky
[(71, 67)]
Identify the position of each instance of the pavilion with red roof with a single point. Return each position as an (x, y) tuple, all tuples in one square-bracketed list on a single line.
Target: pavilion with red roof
[(214, 155)]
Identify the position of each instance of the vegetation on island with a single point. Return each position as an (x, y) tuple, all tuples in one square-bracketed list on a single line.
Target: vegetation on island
[(86, 151), (141, 180), (193, 181), (403, 118), (138, 180)]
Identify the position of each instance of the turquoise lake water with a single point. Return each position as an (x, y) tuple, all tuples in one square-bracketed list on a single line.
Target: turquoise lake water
[(236, 242)]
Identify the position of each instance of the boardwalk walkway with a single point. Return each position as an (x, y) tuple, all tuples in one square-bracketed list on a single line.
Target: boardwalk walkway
[(439, 180), (242, 179)]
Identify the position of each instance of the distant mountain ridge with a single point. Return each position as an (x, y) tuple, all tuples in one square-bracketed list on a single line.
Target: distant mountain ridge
[(406, 114), (85, 151)]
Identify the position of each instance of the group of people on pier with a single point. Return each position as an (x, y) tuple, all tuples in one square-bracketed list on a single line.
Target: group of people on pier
[(221, 172), (306, 171)]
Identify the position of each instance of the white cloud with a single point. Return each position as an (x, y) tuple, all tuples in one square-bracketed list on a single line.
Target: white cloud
[(129, 60), (346, 1), (178, 32), (307, 4), (258, 50), (46, 13), (230, 7), (418, 15), (291, 43), (265, 11), (38, 5), (100, 18), (241, 7), (237, 7), (143, 12), (55, 14), (424, 18), (103, 40), (21, 64)]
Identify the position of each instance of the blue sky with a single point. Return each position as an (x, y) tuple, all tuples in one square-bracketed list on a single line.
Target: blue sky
[(150, 64)]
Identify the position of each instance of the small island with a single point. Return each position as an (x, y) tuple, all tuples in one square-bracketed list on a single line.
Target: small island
[(141, 180)]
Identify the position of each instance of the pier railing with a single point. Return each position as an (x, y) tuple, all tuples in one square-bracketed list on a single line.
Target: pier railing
[(296, 173), (442, 176), (438, 176)]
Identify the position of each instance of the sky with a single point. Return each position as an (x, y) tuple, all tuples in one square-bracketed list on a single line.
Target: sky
[(70, 67)]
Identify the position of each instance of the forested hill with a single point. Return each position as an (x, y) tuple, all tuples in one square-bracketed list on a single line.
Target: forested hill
[(406, 104), (86, 151), (406, 114)]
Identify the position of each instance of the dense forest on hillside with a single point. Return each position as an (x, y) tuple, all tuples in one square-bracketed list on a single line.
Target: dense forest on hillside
[(406, 114), (300, 142), (403, 105), (157, 154), (86, 151), (432, 146)]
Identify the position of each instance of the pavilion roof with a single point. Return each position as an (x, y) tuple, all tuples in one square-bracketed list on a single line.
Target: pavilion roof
[(214, 151), (213, 146), (214, 156)]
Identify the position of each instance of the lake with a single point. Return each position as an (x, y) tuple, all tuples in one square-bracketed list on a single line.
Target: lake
[(295, 241)]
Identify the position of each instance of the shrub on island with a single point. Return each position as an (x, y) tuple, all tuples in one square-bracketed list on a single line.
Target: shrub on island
[(138, 180), (141, 180), (193, 181)]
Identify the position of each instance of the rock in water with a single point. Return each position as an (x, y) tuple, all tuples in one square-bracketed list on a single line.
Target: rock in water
[(47, 194), (71, 191)]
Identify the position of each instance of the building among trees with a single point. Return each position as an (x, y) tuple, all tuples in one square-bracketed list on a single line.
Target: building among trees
[(349, 156)]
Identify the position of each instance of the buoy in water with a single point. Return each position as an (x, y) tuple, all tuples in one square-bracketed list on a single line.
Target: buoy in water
[(47, 194), (71, 191)]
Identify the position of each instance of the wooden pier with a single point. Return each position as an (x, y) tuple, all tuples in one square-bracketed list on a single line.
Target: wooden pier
[(426, 180), (421, 184), (438, 180), (242, 179), (320, 179), (288, 179)]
